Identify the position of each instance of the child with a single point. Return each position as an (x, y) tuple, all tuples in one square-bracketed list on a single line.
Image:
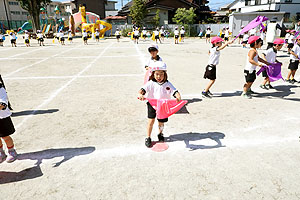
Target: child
[(251, 64), (97, 34), (270, 57), (70, 36), (227, 32), (6, 128), (176, 35), (1, 38), (144, 33), (61, 37), (13, 39), (118, 34), (84, 37), (182, 32), (26, 37), (40, 38), (241, 35), (156, 34), (287, 36), (223, 32), (214, 56), (158, 87), (245, 39), (252, 32), (136, 35), (153, 50), (208, 33), (291, 41), (162, 33), (294, 61)]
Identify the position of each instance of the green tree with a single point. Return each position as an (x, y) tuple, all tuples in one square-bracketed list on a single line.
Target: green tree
[(33, 7), (156, 18), (184, 16), (138, 11)]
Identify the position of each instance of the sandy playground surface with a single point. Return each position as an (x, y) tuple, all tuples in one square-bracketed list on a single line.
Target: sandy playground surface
[(81, 130)]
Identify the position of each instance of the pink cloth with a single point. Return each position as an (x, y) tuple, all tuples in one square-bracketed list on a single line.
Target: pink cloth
[(254, 23), (166, 107)]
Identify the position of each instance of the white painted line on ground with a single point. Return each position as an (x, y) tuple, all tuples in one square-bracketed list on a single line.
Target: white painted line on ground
[(141, 57), (43, 60), (68, 77), (58, 91), (28, 52), (21, 58)]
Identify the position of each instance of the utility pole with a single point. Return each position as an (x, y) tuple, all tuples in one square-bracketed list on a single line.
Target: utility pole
[(121, 3), (6, 14)]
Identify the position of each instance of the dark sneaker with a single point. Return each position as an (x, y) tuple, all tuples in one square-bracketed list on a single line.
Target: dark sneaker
[(251, 92), (148, 142), (161, 137), (205, 95), (269, 86), (246, 96), (292, 81), (287, 80), (209, 93), (295, 81), (264, 87)]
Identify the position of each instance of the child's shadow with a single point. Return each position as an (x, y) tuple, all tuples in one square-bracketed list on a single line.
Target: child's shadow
[(184, 109), (39, 156), (188, 137), (282, 92)]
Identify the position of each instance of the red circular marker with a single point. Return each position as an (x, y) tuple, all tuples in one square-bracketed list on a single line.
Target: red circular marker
[(160, 146)]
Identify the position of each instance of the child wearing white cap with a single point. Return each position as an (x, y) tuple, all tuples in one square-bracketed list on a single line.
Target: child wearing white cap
[(13, 39), (70, 36), (208, 34), (162, 33), (118, 34), (97, 34), (176, 35), (182, 33), (84, 36), (153, 50), (158, 87), (144, 33), (40, 38), (26, 37), (227, 33), (156, 35), (61, 36), (1, 38)]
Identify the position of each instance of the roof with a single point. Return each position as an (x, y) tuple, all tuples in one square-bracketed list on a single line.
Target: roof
[(116, 18)]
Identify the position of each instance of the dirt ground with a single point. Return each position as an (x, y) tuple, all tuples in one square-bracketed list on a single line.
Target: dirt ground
[(81, 130)]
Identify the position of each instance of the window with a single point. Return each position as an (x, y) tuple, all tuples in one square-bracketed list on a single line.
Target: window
[(288, 1), (15, 12), (25, 13), (257, 2), (286, 17), (298, 16), (13, 3), (247, 2)]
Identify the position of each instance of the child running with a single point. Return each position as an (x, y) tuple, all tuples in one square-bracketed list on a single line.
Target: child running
[(85, 37), (6, 128), (214, 57), (241, 35), (97, 34), (227, 33), (40, 38), (144, 34), (208, 34), (118, 34), (26, 37), (156, 35), (158, 87), (70, 36), (245, 39), (13, 39), (162, 33), (176, 35), (291, 41), (61, 36), (287, 36), (251, 64), (294, 62), (136, 35), (270, 57), (153, 50)]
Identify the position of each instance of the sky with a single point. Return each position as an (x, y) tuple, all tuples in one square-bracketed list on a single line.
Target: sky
[(213, 4)]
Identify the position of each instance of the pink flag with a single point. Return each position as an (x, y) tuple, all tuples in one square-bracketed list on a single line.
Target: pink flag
[(166, 107), (254, 23)]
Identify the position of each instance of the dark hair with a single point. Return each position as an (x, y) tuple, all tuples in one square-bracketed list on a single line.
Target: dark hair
[(151, 78), (152, 49), (256, 42)]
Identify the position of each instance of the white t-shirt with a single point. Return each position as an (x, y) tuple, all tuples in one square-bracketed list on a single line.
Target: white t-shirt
[(1, 36), (245, 37), (12, 37), (97, 33), (208, 32), (136, 33), (182, 32), (162, 31), (84, 34), (117, 33), (291, 39), (226, 33), (144, 32), (287, 36), (70, 35), (270, 55), (214, 56), (40, 35), (249, 66), (3, 99), (296, 50), (176, 32), (61, 35), (155, 90), (252, 32), (151, 62), (156, 33), (241, 33), (26, 36)]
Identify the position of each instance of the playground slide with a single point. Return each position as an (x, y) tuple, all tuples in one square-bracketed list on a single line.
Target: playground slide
[(25, 26), (108, 27)]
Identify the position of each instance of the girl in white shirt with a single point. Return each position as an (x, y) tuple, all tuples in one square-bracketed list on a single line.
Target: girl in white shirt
[(26, 37), (97, 34), (6, 128), (182, 32), (118, 34), (62, 37), (208, 34), (144, 33), (158, 87), (245, 39), (214, 56), (40, 38), (84, 37), (251, 64), (1, 38), (70, 36), (156, 35), (13, 39), (162, 33), (176, 35)]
